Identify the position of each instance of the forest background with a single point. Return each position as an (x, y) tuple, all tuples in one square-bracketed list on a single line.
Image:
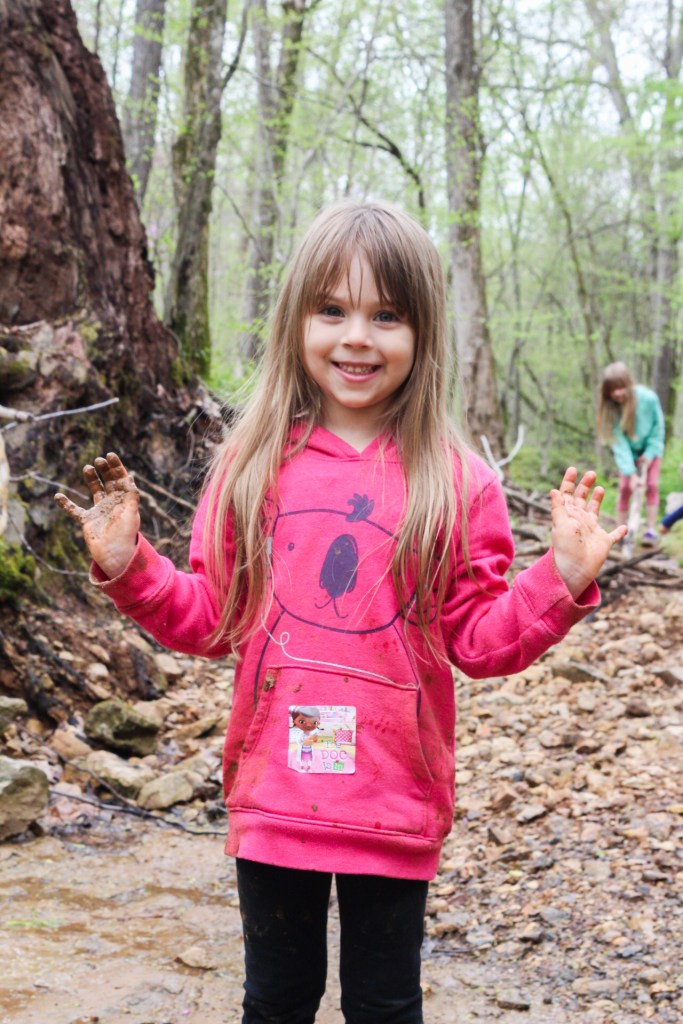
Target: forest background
[(540, 143), (580, 110)]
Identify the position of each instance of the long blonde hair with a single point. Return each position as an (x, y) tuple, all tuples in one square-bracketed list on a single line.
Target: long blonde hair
[(615, 376), (409, 276)]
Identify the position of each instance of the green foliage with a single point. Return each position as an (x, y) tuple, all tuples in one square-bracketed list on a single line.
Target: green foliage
[(575, 197), (232, 387), (17, 570)]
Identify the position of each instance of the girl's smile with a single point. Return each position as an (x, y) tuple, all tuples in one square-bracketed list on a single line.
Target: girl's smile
[(359, 351)]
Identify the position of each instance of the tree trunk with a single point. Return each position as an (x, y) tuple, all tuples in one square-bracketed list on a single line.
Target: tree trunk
[(140, 116), (194, 157), (276, 95), (77, 325), (464, 162), (666, 370)]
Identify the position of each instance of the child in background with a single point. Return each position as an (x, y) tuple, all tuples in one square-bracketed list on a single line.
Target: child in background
[(672, 517), (349, 548), (630, 418)]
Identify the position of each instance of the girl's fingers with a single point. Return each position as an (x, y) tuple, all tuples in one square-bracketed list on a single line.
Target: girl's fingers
[(584, 486), (75, 511), (580, 491), (93, 482), (568, 481), (617, 534), (111, 469), (596, 500)]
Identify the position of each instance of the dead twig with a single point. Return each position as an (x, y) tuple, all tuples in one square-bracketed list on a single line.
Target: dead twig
[(138, 812), (18, 415)]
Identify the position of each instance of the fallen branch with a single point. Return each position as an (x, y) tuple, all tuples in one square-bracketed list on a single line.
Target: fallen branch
[(137, 812), (628, 563), (17, 415)]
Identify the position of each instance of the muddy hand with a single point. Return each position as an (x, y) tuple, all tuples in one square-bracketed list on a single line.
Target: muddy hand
[(580, 544), (110, 526)]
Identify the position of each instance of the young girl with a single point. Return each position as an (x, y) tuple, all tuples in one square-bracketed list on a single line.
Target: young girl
[(348, 548), (630, 417)]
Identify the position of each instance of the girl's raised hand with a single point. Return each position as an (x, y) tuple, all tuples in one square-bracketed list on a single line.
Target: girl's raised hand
[(580, 545), (110, 527)]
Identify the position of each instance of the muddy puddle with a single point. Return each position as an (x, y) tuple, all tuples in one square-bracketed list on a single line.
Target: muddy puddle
[(95, 926)]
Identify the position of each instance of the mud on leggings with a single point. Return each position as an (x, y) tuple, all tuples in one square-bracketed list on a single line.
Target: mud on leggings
[(284, 920)]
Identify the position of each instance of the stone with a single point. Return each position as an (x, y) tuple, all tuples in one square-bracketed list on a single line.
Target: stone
[(168, 665), (68, 744), (118, 726), (124, 777), (24, 793), (11, 708), (165, 791), (530, 812), (512, 999)]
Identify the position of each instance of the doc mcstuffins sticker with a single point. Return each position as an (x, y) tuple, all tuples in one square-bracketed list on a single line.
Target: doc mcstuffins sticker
[(322, 739)]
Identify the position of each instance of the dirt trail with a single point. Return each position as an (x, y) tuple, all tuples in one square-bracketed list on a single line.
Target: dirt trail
[(92, 926), (559, 898)]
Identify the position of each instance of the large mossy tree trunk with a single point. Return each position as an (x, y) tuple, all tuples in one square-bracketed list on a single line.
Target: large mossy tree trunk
[(77, 324)]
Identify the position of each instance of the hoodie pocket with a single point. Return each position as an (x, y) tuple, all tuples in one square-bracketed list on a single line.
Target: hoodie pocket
[(352, 758)]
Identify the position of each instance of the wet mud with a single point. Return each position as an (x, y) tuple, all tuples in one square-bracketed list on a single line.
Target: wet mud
[(100, 926)]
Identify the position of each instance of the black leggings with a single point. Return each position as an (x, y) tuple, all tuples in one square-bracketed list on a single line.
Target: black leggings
[(284, 919)]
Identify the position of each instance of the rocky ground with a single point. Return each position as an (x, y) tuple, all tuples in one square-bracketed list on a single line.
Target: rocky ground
[(560, 892)]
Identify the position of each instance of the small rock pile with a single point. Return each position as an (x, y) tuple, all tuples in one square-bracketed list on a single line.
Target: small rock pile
[(148, 755)]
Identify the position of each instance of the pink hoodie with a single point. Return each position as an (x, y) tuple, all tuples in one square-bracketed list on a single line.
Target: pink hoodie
[(340, 750)]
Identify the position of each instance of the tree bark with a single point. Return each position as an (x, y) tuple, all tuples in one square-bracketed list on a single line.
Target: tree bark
[(72, 242), (194, 157), (276, 95), (464, 163), (142, 104), (77, 324)]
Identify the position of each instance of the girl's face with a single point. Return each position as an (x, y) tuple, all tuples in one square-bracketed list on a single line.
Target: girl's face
[(305, 723), (359, 351), (619, 395)]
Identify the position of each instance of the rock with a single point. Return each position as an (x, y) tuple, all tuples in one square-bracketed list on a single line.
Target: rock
[(97, 671), (530, 812), (596, 986), (586, 701), (502, 799), (512, 999), (196, 765), (197, 956), (24, 793), (499, 836), (195, 729), (480, 938), (125, 777), (165, 791), (68, 744), (117, 726), (11, 708), (532, 934), (100, 653), (637, 707), (168, 665), (672, 676)]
